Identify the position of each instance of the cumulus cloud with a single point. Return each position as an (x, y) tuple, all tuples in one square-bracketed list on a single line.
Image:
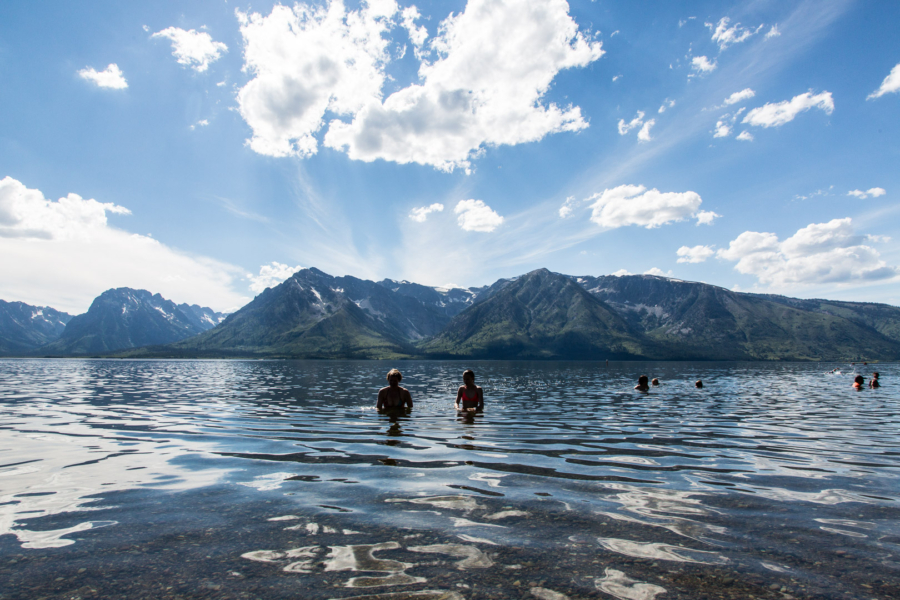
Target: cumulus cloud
[(568, 206), (111, 77), (636, 205), (270, 276), (890, 85), (621, 273), (418, 34), (307, 60), (723, 129), (475, 215), (702, 64), (745, 136), (819, 253), (420, 215), (695, 254), (644, 133), (778, 113), (195, 49), (706, 217), (64, 253), (873, 192), (658, 272), (637, 121), (725, 36), (740, 96), (485, 88)]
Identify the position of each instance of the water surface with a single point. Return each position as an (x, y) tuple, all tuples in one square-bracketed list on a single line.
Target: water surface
[(269, 479)]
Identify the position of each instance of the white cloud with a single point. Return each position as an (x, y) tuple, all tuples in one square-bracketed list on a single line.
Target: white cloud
[(200, 123), (658, 272), (614, 33), (891, 84), (644, 133), (779, 113), (111, 77), (873, 192), (696, 254), (616, 78), (740, 96), (475, 215), (878, 238), (420, 215), (773, 32), (745, 136), (621, 273), (305, 61), (725, 36), (64, 253), (667, 104), (819, 253), (701, 64), (706, 217), (485, 89), (637, 121), (635, 205), (418, 34), (195, 49), (568, 206), (723, 129), (270, 276)]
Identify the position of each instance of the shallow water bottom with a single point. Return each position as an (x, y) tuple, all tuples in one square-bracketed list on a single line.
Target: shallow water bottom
[(222, 543)]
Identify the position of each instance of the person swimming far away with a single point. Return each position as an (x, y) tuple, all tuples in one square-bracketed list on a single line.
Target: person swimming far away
[(469, 397), (654, 382), (874, 383), (642, 384), (394, 397), (699, 384)]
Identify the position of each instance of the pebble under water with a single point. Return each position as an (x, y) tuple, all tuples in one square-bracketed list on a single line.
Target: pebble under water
[(277, 479)]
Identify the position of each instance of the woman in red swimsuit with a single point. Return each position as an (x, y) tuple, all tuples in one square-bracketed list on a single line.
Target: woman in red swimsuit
[(469, 397)]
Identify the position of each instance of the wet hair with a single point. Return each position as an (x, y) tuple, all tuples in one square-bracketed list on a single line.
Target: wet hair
[(393, 372), (859, 379), (655, 381), (469, 372), (699, 383), (642, 380), (875, 374)]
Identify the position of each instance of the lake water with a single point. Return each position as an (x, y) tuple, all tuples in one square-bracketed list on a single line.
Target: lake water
[(270, 479)]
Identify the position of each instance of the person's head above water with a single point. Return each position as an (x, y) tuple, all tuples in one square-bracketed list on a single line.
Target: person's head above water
[(859, 379), (394, 374), (469, 375), (655, 381), (642, 380), (699, 383)]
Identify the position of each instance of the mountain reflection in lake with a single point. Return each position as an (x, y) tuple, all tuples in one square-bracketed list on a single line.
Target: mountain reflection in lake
[(233, 479)]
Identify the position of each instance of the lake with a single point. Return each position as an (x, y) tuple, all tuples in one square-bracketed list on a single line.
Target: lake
[(276, 479)]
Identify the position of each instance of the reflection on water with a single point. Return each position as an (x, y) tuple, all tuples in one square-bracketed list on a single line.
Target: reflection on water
[(250, 477)]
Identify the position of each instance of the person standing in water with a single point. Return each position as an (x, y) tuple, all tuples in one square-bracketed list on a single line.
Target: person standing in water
[(874, 383), (469, 397), (859, 382), (642, 384), (393, 397)]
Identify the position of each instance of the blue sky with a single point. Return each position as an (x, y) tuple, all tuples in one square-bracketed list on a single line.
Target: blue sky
[(205, 150)]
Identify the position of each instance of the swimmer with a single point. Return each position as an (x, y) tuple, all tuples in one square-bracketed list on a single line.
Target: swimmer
[(858, 382), (654, 381), (393, 396), (642, 384), (470, 395), (874, 383), (698, 384)]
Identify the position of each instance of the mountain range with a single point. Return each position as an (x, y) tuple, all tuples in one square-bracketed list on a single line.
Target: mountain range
[(538, 315)]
